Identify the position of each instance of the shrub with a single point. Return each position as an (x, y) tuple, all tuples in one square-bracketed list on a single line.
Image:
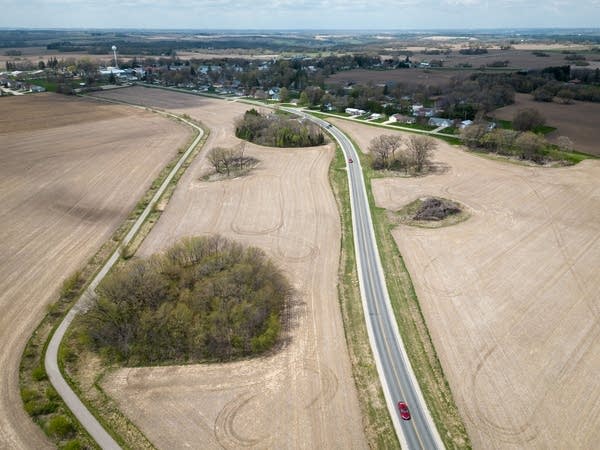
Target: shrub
[(29, 395), (74, 444), (51, 394), (71, 285), (40, 407), (39, 373), (60, 426)]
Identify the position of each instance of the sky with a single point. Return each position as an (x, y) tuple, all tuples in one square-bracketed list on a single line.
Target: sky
[(300, 14)]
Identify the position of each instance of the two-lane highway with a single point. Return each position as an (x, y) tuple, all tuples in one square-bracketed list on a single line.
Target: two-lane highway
[(397, 378)]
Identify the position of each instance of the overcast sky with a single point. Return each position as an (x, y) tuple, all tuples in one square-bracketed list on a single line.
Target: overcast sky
[(299, 14)]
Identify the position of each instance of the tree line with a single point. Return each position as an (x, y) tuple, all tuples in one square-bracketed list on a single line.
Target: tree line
[(203, 298), (522, 141)]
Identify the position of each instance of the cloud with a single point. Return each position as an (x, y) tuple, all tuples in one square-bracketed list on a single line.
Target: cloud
[(317, 14)]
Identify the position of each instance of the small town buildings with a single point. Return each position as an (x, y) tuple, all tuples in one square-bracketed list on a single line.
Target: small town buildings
[(440, 122), (401, 118), (355, 112)]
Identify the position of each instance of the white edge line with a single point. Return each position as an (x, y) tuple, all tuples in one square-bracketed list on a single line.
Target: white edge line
[(378, 364)]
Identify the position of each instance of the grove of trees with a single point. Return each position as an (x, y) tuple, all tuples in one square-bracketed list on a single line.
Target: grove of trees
[(204, 298), (277, 131)]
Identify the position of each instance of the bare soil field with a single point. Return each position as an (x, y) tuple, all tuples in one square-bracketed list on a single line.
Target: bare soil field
[(410, 76), (37, 54), (302, 395), (517, 59), (511, 295), (71, 170), (578, 121)]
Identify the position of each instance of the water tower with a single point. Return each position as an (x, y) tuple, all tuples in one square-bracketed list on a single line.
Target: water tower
[(114, 49)]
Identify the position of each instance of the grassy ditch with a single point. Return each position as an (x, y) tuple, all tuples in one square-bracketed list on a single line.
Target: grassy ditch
[(40, 400), (83, 370), (378, 426), (413, 327)]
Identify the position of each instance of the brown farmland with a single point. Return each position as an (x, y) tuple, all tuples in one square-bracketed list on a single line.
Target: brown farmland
[(300, 396), (517, 59), (408, 76), (578, 121), (511, 295), (70, 172)]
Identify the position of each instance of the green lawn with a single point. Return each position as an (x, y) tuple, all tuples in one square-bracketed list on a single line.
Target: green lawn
[(414, 126), (48, 85), (542, 129)]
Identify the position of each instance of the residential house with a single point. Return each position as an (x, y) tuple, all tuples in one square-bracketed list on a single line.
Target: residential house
[(355, 112), (440, 122), (425, 112), (401, 118)]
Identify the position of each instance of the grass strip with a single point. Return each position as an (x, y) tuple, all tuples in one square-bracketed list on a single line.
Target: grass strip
[(83, 370), (378, 426)]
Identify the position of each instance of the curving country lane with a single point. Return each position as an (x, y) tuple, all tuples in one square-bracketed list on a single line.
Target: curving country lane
[(79, 410)]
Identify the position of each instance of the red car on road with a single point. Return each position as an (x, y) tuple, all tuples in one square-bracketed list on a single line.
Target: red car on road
[(350, 160), (404, 412)]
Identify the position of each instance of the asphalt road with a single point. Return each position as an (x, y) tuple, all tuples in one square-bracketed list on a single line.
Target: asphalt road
[(396, 375), (85, 417)]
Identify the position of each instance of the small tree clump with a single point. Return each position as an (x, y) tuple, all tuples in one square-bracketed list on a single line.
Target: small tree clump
[(436, 209), (230, 160), (392, 152)]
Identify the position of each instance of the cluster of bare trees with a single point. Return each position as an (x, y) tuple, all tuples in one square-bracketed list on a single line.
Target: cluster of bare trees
[(203, 298), (230, 160), (393, 152)]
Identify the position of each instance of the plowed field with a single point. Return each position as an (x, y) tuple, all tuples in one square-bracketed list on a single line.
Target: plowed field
[(511, 295), (303, 394), (70, 172)]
